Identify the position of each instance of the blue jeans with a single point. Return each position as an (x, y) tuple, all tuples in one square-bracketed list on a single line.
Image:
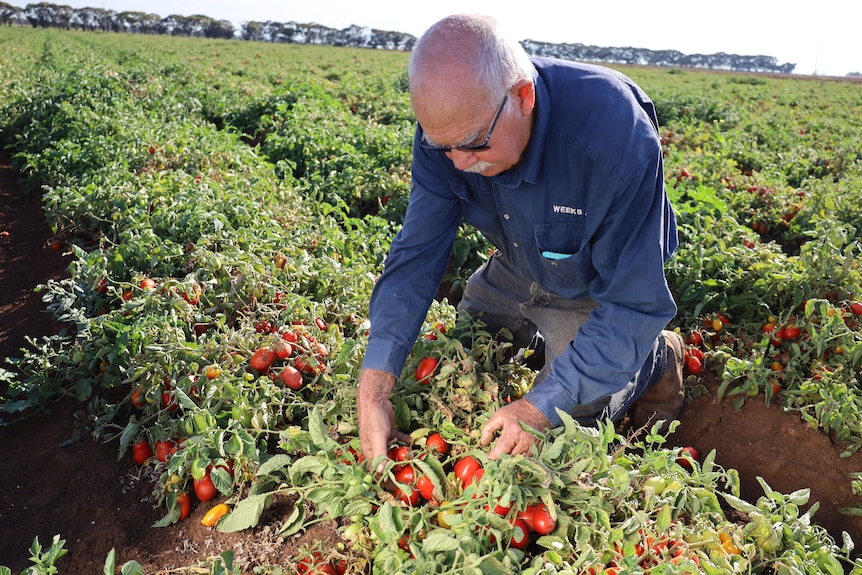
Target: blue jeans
[(501, 298)]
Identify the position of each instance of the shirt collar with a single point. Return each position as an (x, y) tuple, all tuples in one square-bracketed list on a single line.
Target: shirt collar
[(529, 168)]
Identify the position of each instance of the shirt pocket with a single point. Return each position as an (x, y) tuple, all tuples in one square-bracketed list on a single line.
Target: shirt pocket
[(566, 258)]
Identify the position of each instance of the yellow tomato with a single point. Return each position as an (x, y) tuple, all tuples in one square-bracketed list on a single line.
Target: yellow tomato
[(213, 515), (446, 517)]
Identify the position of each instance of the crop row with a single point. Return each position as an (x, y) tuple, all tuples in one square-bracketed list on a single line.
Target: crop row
[(228, 207)]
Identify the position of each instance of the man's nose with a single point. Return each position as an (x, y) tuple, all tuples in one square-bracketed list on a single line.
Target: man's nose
[(462, 159)]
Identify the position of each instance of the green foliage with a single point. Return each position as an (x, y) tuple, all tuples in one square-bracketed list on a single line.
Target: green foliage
[(257, 187), (43, 559)]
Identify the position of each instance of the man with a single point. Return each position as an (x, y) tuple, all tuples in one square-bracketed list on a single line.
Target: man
[(559, 165)]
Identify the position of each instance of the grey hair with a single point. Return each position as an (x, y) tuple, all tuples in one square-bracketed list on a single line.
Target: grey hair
[(499, 61)]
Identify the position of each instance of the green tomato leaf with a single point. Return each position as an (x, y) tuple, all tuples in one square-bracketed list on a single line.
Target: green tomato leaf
[(440, 540), (309, 464), (278, 462), (245, 514)]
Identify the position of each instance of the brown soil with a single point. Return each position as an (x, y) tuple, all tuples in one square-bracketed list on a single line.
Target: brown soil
[(78, 489)]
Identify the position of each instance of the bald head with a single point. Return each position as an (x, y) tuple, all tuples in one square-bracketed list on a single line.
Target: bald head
[(464, 61)]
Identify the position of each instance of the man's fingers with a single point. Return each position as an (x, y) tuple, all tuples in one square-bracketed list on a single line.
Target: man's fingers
[(402, 437), (489, 429), (502, 446)]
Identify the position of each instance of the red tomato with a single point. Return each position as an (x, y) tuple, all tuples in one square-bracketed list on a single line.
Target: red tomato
[(503, 506), (262, 359), (185, 505), (321, 351), (407, 476), (435, 442), (792, 332), (475, 477), (169, 402), (282, 349), (695, 338), (426, 369), (692, 452), (465, 468), (527, 515), (138, 397), (204, 487), (694, 365), (164, 449), (520, 534), (399, 453), (291, 377), (856, 307), (321, 325), (147, 284), (141, 451), (425, 487), (543, 523)]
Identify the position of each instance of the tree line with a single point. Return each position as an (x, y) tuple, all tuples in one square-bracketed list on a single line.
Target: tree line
[(48, 15)]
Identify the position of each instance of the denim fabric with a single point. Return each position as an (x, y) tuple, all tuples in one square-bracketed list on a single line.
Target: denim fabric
[(501, 298)]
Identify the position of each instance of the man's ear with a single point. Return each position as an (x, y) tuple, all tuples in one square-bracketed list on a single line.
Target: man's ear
[(526, 92)]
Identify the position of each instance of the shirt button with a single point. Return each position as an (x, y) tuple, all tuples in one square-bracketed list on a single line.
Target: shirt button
[(505, 216), (515, 244)]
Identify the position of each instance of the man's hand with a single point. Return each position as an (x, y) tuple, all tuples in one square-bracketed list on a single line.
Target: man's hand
[(375, 413), (512, 438)]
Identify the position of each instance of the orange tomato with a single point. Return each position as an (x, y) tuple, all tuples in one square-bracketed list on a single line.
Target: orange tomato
[(213, 515)]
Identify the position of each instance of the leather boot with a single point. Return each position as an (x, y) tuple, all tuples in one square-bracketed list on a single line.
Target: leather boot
[(664, 400)]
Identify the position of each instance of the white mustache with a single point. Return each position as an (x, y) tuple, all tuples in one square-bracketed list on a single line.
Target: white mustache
[(478, 167)]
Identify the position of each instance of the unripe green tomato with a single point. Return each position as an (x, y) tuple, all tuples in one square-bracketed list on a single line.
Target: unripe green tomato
[(202, 422), (656, 483), (352, 530), (199, 468)]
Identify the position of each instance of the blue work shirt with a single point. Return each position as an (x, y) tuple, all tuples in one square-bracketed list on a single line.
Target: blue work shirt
[(589, 186)]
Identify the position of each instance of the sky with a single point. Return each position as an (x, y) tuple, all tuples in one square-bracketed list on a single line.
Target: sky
[(822, 37)]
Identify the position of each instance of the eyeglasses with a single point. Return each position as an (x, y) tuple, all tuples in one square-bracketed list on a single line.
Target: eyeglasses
[(470, 147)]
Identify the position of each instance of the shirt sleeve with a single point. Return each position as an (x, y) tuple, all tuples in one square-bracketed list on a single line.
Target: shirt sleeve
[(636, 236), (415, 265)]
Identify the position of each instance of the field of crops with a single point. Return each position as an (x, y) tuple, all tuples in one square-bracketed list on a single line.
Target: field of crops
[(229, 205)]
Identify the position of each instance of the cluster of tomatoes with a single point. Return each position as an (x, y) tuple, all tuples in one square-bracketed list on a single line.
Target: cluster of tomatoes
[(316, 564), (467, 470), (202, 483), (693, 355), (291, 354)]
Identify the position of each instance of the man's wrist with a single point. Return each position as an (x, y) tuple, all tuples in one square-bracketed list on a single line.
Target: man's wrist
[(375, 384)]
